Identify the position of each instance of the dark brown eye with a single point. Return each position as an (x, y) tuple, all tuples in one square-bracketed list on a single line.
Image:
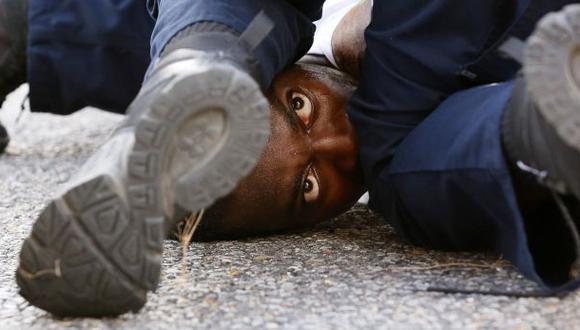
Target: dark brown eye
[(297, 103), (308, 185), (311, 187), (303, 107)]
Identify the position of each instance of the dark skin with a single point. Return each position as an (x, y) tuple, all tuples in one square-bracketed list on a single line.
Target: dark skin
[(309, 171)]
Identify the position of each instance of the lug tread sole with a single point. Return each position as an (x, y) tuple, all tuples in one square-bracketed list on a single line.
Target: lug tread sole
[(72, 259)]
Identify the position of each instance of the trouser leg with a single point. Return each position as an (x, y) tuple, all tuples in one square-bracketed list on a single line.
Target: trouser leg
[(86, 53), (289, 40), (450, 187), (13, 31)]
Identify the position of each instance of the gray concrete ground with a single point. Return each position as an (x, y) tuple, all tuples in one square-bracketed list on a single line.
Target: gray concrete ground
[(350, 273)]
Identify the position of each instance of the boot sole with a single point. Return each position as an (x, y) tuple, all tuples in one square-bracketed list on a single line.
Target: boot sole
[(552, 70), (96, 250)]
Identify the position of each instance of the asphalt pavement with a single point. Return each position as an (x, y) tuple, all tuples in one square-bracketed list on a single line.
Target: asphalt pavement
[(350, 273)]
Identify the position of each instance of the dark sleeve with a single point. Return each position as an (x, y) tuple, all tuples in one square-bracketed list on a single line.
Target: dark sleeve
[(416, 50)]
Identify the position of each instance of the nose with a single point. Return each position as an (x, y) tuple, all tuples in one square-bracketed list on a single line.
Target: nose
[(340, 150)]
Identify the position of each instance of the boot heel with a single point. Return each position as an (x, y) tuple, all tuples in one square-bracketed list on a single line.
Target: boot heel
[(201, 136)]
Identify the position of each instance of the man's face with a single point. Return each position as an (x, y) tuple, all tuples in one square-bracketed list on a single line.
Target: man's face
[(308, 171)]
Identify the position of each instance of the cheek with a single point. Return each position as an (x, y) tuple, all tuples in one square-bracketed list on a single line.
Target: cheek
[(342, 195)]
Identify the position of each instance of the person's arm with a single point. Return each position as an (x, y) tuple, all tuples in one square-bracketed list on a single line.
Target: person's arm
[(415, 52)]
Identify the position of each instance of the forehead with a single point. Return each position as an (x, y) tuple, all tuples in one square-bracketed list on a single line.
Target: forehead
[(314, 76)]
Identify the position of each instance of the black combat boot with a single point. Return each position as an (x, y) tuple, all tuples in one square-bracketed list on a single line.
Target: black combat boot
[(4, 139), (13, 33), (541, 135), (196, 128)]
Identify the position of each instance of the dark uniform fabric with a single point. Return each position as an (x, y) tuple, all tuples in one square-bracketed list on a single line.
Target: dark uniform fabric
[(290, 38), (96, 52), (87, 52), (430, 142)]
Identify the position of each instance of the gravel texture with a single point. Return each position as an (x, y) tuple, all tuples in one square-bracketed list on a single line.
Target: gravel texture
[(349, 273)]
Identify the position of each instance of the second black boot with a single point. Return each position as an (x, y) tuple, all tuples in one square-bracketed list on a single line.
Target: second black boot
[(13, 35), (541, 127)]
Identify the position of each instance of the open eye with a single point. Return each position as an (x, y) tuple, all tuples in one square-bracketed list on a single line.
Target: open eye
[(303, 107), (311, 187)]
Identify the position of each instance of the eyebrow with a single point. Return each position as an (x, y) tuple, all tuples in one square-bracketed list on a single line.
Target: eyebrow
[(292, 121), (296, 192), (288, 115)]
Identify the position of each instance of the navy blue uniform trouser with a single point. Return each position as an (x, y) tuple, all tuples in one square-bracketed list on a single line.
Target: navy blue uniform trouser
[(96, 52), (447, 186)]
